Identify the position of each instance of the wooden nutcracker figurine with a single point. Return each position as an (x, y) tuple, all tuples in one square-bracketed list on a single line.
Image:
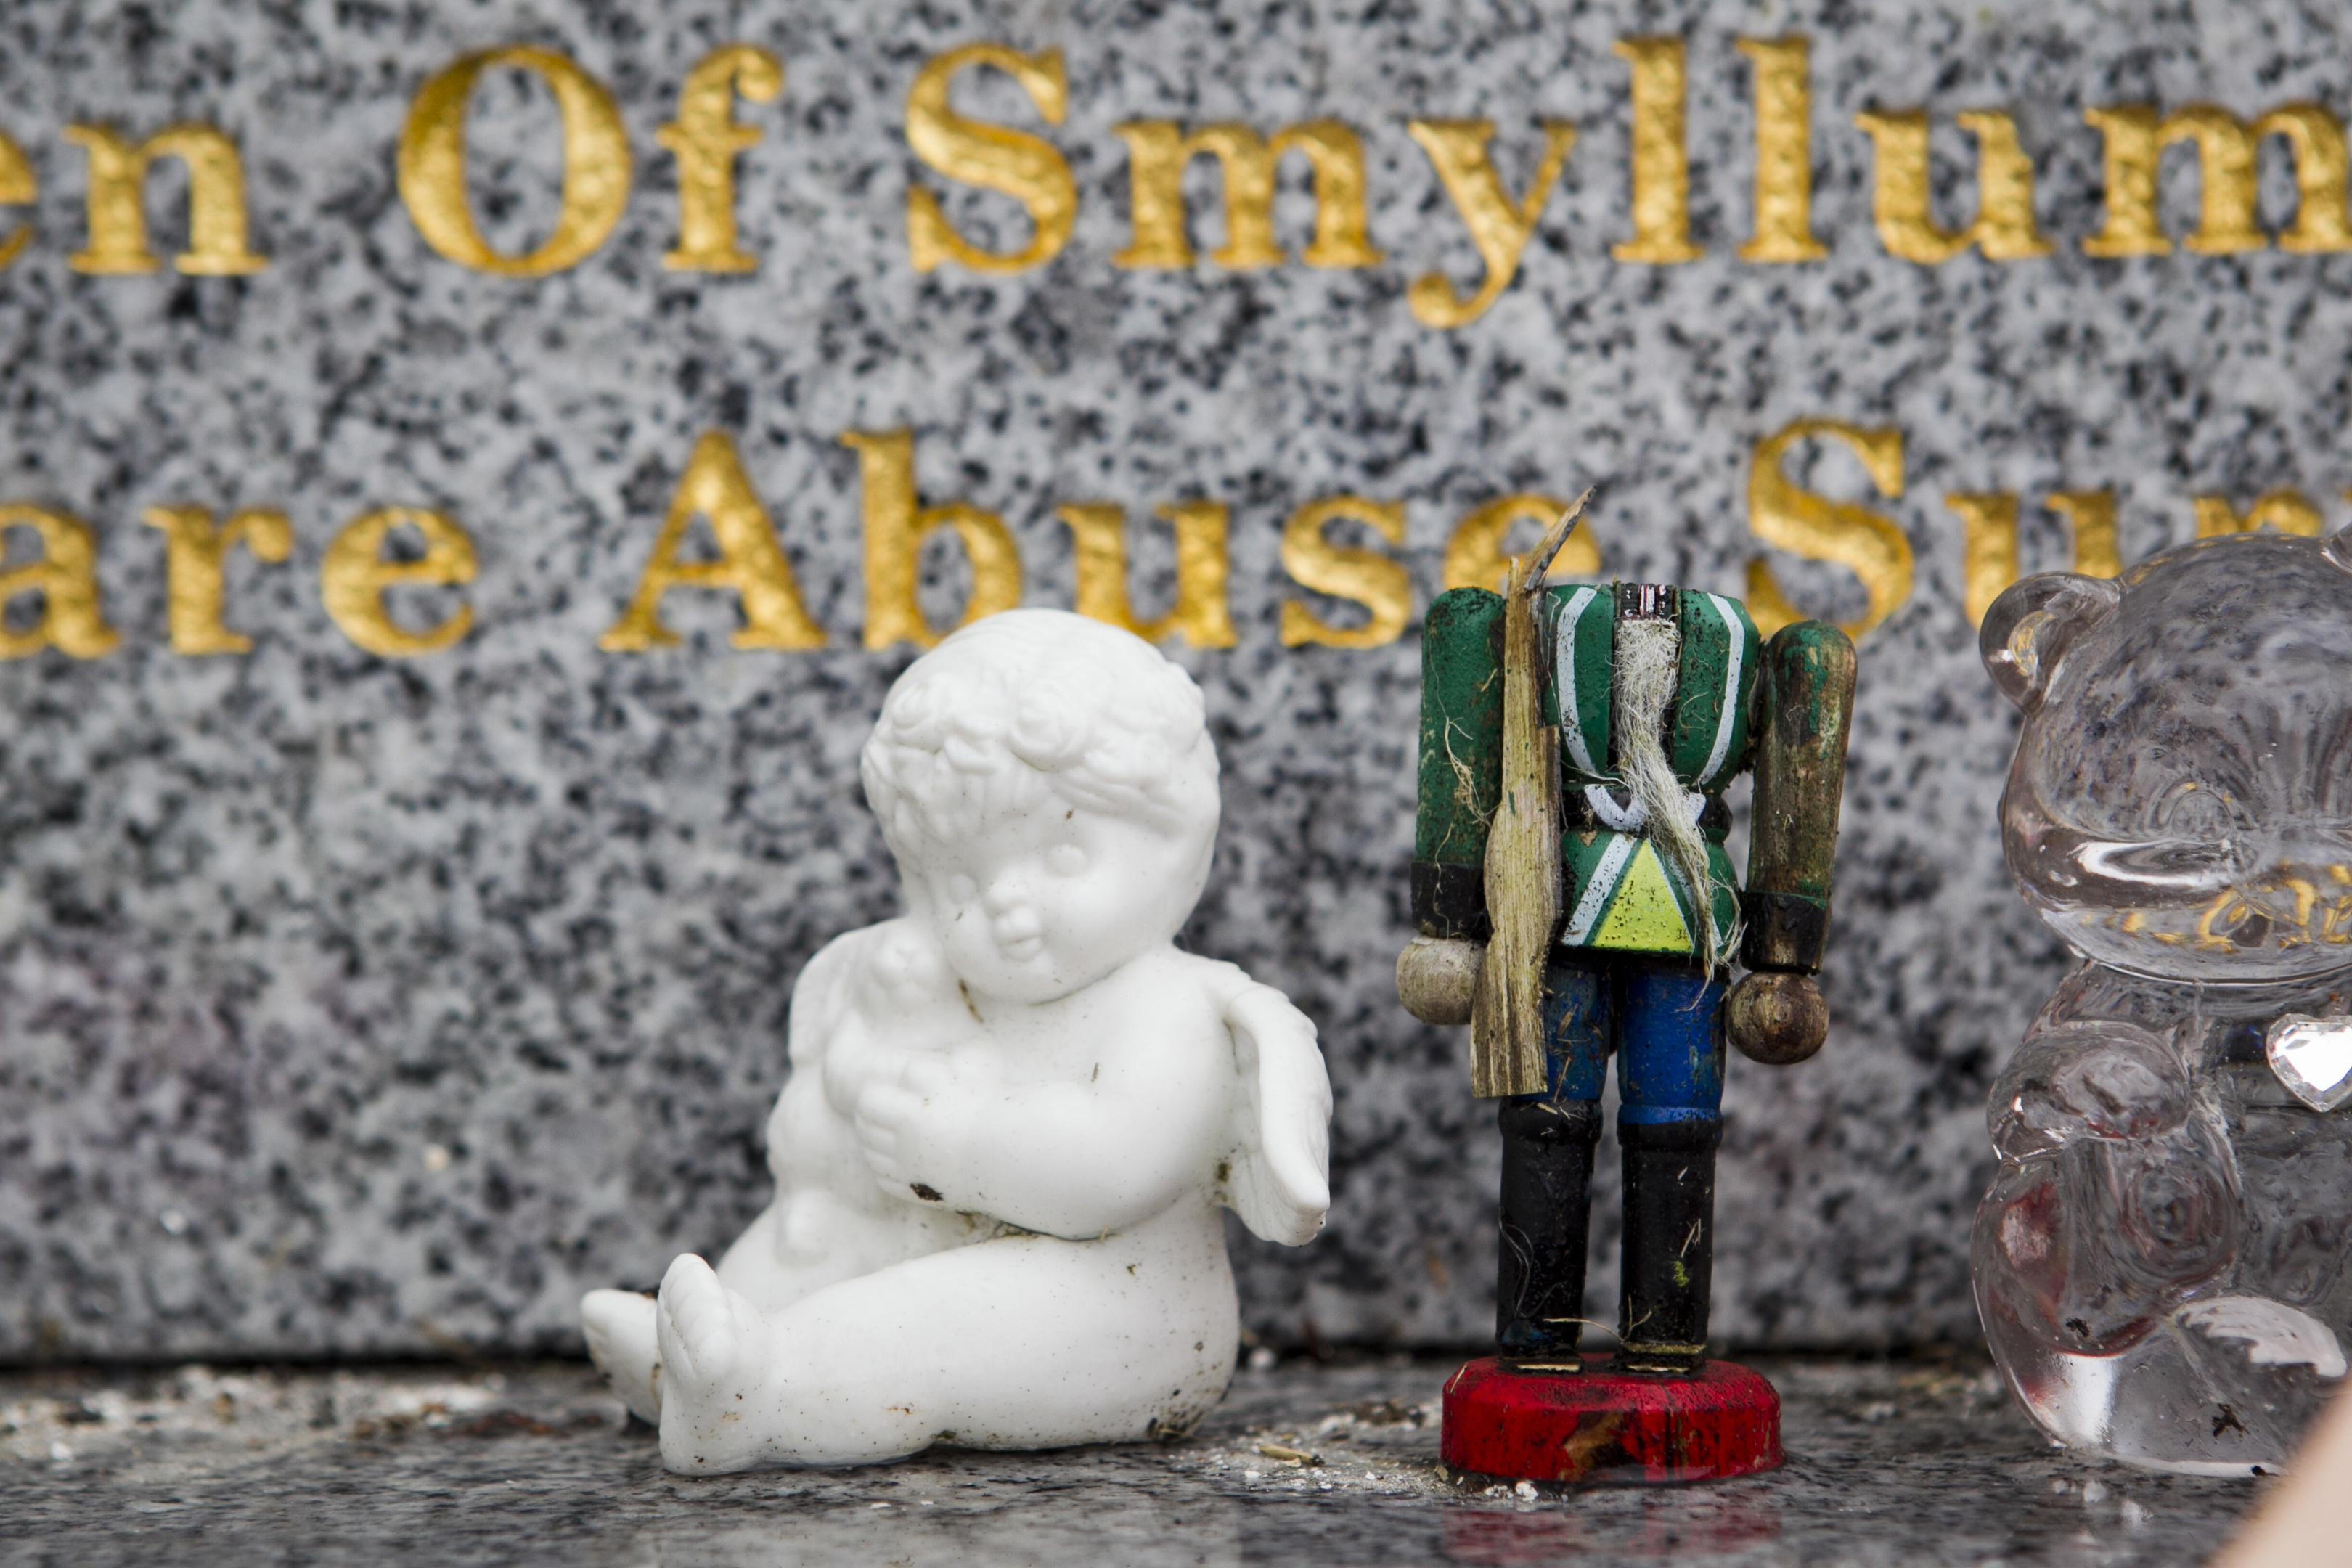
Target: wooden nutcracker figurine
[(1573, 898)]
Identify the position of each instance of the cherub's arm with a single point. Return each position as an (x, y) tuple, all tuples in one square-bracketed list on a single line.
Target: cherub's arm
[(1067, 1158)]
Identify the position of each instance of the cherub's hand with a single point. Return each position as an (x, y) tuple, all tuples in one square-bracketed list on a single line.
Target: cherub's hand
[(909, 1128)]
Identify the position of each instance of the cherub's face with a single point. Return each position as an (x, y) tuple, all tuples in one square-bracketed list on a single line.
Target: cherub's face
[(1055, 899)]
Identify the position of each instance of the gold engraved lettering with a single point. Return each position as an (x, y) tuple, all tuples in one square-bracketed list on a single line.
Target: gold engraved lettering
[(894, 531), (354, 575), (196, 554), (2131, 230), (1498, 225), (1475, 556), (2323, 178), (706, 140), (750, 562), (1661, 158), (17, 186), (596, 165), (1158, 151), (1029, 170), (1784, 515), (1784, 152), (2225, 146), (2225, 177), (117, 215), (2004, 228), (66, 577), (1203, 614), (1377, 582), (2284, 510), (2091, 516), (1987, 548)]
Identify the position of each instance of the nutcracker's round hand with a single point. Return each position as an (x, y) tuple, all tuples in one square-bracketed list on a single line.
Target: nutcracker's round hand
[(1437, 979), (1776, 1018)]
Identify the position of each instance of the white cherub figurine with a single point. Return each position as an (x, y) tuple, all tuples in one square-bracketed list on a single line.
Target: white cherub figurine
[(1013, 1112)]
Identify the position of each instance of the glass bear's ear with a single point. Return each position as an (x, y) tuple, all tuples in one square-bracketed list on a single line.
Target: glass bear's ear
[(2030, 626), (2338, 548)]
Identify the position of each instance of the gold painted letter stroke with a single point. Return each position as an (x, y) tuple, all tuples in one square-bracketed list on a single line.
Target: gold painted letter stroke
[(596, 165), (705, 139), (896, 527), (195, 564), (1498, 224), (66, 577), (750, 562), (116, 206), (354, 576), (1789, 517), (1029, 170)]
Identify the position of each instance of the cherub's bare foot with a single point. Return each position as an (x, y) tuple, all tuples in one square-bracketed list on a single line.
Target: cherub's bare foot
[(709, 1341), (620, 1329)]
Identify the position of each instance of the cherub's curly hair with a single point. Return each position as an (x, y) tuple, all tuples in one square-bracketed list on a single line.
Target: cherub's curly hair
[(1029, 703)]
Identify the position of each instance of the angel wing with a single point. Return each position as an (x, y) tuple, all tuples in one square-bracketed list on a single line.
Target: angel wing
[(1278, 1173)]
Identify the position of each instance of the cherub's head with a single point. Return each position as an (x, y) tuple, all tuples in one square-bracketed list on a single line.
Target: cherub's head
[(1047, 785)]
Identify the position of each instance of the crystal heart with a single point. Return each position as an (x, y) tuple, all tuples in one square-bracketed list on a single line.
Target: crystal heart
[(2313, 1057)]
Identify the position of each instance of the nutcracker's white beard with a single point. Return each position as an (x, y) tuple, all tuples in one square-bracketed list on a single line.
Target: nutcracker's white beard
[(1649, 664)]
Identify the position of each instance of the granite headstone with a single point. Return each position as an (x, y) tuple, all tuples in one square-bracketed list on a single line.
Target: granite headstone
[(361, 997)]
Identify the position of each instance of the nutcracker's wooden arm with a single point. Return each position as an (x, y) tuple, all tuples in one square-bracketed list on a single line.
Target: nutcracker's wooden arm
[(1806, 700), (1459, 763)]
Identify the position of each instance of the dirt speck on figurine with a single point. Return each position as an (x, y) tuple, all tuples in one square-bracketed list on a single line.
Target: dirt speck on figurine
[(1014, 1112)]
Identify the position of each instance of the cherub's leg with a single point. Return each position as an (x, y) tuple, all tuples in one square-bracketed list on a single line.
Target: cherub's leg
[(619, 1325), (842, 1241), (1024, 1342)]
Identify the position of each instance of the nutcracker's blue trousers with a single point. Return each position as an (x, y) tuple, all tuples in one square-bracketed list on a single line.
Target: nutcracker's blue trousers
[(1663, 1021)]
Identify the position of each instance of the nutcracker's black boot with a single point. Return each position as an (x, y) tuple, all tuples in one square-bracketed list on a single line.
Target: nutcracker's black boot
[(1547, 1206), (1669, 1244)]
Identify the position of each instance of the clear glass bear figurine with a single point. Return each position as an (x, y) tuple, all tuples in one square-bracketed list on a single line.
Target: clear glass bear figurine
[(2160, 1263)]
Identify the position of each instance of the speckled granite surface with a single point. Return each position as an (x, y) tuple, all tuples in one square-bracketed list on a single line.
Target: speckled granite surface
[(1896, 1464), (357, 1006)]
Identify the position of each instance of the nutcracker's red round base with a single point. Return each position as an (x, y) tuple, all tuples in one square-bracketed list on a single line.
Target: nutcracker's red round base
[(1596, 1427)]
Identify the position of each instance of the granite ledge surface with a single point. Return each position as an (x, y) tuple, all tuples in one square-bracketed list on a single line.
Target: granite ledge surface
[(1918, 1462)]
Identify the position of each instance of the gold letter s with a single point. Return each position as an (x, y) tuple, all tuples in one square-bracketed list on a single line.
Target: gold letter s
[(1031, 171), (1819, 528), (1377, 582)]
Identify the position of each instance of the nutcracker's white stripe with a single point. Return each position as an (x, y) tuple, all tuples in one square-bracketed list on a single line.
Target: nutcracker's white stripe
[(1632, 817), (1730, 690), (1597, 890), (1563, 679)]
